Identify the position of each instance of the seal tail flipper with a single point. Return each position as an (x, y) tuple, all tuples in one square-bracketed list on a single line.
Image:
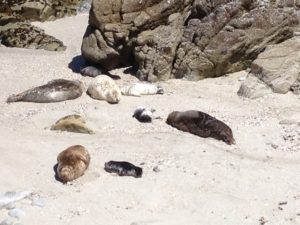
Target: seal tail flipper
[(14, 98)]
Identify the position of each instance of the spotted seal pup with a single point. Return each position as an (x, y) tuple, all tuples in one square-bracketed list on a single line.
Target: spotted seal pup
[(54, 91), (201, 124), (72, 163), (93, 71), (104, 88), (123, 169), (144, 115), (138, 89)]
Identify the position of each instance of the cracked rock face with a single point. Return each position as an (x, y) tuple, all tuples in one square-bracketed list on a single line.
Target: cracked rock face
[(278, 68), (188, 39)]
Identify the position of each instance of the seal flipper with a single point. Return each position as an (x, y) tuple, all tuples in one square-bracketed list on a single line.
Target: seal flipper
[(14, 98)]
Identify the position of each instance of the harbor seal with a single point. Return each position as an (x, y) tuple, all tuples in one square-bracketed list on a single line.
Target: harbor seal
[(138, 89), (201, 124), (72, 163), (104, 88), (123, 169), (93, 71), (72, 123), (54, 91), (144, 115)]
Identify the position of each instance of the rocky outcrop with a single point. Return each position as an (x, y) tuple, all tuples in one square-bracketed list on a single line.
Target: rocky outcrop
[(36, 10), (24, 35), (187, 39), (278, 67), (15, 15)]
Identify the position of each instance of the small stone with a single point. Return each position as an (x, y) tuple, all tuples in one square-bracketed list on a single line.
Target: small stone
[(156, 169), (16, 213)]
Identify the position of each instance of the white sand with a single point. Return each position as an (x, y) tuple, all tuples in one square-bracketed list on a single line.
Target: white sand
[(201, 181)]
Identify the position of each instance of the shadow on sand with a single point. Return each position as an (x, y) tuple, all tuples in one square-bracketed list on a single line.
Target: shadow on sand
[(77, 63)]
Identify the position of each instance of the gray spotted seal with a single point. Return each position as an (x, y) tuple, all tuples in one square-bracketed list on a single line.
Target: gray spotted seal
[(54, 91), (201, 124), (72, 163), (92, 71), (123, 169)]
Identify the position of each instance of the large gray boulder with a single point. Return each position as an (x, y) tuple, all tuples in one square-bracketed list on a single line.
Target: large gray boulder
[(278, 67), (188, 39)]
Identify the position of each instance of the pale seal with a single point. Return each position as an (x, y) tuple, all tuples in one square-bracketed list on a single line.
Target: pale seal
[(201, 124), (138, 89), (54, 91), (104, 88), (123, 169), (72, 163)]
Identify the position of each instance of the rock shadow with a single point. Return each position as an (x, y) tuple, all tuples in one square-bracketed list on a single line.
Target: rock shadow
[(77, 63)]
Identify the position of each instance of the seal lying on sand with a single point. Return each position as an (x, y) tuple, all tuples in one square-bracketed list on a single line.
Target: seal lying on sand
[(138, 89), (72, 163), (72, 123), (54, 91), (144, 115), (123, 169), (104, 88), (92, 71), (201, 124)]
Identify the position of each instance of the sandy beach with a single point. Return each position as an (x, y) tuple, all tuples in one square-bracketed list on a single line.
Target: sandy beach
[(198, 181)]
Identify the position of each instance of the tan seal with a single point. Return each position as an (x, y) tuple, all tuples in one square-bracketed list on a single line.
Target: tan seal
[(201, 124), (72, 163), (104, 88), (54, 91)]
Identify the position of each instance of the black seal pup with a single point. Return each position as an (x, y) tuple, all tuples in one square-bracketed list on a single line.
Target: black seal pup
[(54, 91), (123, 169), (72, 163), (143, 115), (201, 124)]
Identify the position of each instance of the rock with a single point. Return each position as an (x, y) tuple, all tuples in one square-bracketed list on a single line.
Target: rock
[(38, 10), (104, 88), (24, 35), (156, 169), (16, 213), (188, 39), (279, 66), (72, 123), (253, 88)]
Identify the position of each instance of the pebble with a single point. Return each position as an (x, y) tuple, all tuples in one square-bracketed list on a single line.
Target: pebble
[(156, 169), (16, 213)]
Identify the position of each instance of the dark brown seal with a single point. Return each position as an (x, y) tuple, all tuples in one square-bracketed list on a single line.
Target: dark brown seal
[(201, 124), (123, 169), (54, 91), (72, 163)]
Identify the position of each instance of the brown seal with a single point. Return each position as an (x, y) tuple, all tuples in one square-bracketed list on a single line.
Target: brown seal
[(201, 124), (72, 163)]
